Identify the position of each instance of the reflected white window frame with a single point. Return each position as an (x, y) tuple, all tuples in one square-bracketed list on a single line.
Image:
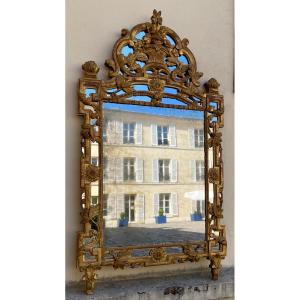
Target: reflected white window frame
[(200, 170), (163, 132), (104, 205), (94, 200), (200, 207), (105, 168), (129, 133), (129, 169), (164, 198), (104, 133), (164, 170), (129, 199), (199, 137)]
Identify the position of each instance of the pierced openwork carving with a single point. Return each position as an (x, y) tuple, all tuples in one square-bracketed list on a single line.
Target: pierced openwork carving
[(155, 57)]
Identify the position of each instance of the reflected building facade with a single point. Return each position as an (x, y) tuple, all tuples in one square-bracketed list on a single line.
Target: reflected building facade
[(153, 164)]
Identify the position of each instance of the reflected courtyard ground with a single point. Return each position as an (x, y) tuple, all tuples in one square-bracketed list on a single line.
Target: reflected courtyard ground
[(141, 234)]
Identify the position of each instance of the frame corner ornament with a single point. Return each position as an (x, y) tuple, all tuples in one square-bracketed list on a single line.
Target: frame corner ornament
[(90, 69)]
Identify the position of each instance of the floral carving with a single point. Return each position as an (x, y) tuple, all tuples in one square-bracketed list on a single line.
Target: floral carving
[(213, 175), (215, 139), (87, 132), (158, 254), (92, 173), (156, 85)]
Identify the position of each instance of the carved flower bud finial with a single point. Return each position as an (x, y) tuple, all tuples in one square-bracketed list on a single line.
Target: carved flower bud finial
[(185, 42), (212, 86), (90, 69), (156, 18), (124, 32)]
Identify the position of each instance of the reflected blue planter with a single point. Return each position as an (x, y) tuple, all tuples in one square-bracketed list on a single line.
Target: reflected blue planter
[(160, 219), (196, 217), (123, 223)]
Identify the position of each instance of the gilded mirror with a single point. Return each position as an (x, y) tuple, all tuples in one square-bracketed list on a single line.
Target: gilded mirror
[(151, 157)]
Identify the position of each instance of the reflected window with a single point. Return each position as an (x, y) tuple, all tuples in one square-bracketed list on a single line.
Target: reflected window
[(129, 169), (162, 135), (200, 170), (105, 197), (199, 138), (200, 207), (164, 169), (105, 131), (164, 203), (94, 200), (128, 133), (105, 169)]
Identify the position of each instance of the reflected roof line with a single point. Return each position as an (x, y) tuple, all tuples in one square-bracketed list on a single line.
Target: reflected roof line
[(182, 114)]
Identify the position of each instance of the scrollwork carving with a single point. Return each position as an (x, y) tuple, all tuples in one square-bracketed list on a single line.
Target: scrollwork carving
[(192, 254)]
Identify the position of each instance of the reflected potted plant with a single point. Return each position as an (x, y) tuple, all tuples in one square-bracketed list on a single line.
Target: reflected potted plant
[(196, 216), (122, 222), (161, 218)]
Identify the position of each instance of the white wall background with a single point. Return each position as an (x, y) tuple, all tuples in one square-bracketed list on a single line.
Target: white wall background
[(92, 27)]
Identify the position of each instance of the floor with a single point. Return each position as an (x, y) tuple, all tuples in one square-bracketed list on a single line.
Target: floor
[(139, 234), (190, 286)]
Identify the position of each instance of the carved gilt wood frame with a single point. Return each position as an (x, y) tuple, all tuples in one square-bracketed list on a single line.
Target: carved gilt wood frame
[(157, 52)]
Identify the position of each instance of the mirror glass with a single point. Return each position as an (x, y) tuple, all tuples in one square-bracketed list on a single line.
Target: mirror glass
[(153, 179)]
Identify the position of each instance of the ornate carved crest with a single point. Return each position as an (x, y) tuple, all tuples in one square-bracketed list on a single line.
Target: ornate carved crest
[(152, 48)]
